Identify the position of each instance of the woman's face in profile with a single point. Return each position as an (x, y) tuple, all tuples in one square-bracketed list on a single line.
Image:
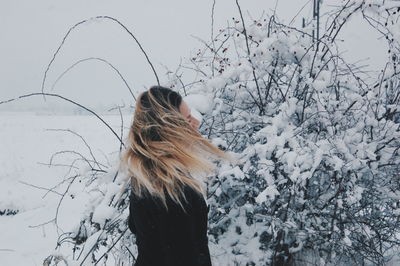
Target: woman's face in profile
[(185, 111)]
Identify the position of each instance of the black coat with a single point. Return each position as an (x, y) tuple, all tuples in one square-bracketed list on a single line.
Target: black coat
[(170, 238)]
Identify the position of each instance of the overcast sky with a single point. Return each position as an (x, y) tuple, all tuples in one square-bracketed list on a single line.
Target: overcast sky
[(31, 31)]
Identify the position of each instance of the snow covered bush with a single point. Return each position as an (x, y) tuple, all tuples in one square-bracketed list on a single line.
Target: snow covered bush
[(318, 142), (318, 139)]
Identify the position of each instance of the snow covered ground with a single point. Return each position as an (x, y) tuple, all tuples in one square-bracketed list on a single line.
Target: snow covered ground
[(25, 147)]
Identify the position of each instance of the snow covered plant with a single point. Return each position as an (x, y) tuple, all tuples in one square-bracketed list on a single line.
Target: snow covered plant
[(319, 140), (92, 213)]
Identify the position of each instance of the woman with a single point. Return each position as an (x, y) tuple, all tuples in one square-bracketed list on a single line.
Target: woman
[(168, 211)]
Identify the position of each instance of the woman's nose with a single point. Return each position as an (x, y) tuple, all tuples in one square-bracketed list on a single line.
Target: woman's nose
[(195, 123)]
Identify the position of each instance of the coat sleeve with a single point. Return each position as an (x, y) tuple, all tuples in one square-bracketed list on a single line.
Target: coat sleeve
[(144, 221), (131, 224), (202, 209), (197, 225), (141, 215)]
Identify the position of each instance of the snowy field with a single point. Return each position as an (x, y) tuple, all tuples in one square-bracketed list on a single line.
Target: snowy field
[(26, 146), (27, 142)]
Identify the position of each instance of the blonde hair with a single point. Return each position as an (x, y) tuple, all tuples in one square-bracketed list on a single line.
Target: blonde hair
[(163, 150)]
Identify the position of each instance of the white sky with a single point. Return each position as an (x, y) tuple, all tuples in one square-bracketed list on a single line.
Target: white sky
[(30, 32)]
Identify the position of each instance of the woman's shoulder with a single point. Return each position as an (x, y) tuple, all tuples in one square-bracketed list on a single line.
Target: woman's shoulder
[(189, 190), (197, 198), (191, 196), (143, 196)]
